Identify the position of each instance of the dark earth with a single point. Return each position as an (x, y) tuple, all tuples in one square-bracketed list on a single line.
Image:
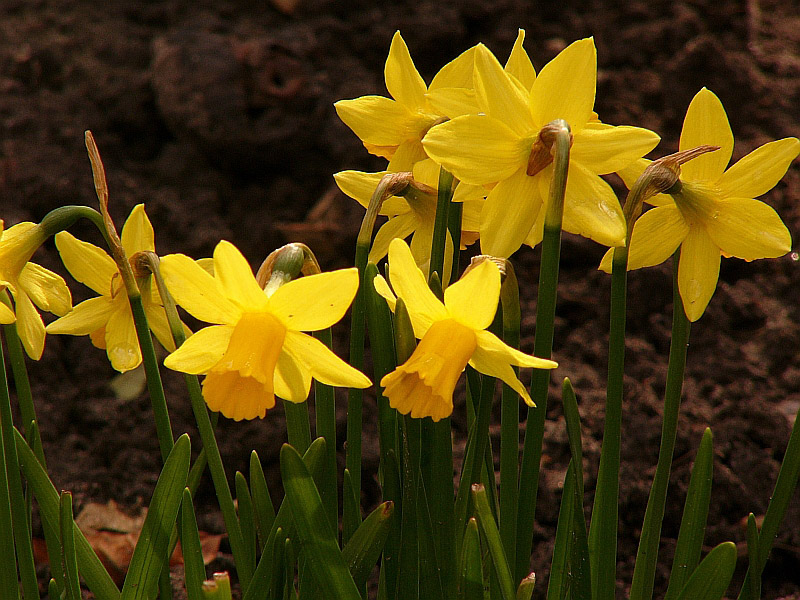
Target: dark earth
[(219, 116)]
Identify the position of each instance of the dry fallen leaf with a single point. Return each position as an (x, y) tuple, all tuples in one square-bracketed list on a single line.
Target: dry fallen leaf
[(113, 534)]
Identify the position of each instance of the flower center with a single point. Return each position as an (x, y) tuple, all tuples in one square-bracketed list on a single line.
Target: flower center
[(240, 385), (424, 384), (697, 202)]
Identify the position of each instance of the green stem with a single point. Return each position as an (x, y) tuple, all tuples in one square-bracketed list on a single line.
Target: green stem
[(509, 421), (438, 244), (454, 228), (19, 509), (647, 555), (16, 357), (325, 405), (543, 348)]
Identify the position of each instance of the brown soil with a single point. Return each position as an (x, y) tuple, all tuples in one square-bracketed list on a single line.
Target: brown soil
[(218, 115)]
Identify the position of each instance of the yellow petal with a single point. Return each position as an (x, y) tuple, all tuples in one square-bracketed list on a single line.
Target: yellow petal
[(137, 233), (86, 262), (509, 213), (315, 302), (7, 315), (409, 283), (591, 208), (48, 290), (324, 365), (565, 87), (29, 326), (477, 148), (379, 121), (609, 149), (748, 229), (495, 358), (536, 233), (383, 289), (201, 351), (402, 79), (706, 123), (453, 102), (360, 186), (497, 95), (472, 300), (197, 291), (698, 272), (400, 226), (656, 236), (236, 277), (519, 63), (292, 378), (87, 317), (458, 73), (122, 345), (759, 172), (407, 153)]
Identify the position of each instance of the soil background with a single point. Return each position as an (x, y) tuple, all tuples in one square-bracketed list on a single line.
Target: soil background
[(219, 116)]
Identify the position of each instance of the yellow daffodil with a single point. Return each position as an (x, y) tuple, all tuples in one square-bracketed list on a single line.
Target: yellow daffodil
[(502, 145), (255, 350), (413, 215), (29, 284), (393, 128), (715, 212), (452, 334), (107, 319)]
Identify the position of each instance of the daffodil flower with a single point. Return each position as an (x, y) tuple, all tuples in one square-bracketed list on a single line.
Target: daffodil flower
[(502, 146), (413, 215), (452, 334), (29, 284), (715, 212), (107, 319), (255, 348), (394, 127)]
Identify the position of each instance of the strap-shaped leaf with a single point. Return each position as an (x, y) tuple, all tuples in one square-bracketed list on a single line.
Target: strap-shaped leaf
[(263, 509), (713, 575), (470, 568), (193, 565), (313, 459), (91, 569), (364, 549), (246, 518), (152, 550), (693, 522), (351, 511), (559, 567), (580, 567), (752, 556), (492, 535), (69, 562), (323, 557)]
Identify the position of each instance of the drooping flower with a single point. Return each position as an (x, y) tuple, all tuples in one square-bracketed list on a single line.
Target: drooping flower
[(502, 146), (255, 348), (394, 127), (107, 319), (29, 284), (715, 212), (413, 215), (452, 334)]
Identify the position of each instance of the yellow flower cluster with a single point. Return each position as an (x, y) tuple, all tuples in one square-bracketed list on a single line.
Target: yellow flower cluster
[(486, 124)]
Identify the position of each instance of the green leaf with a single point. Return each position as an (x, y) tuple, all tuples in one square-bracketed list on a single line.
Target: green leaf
[(572, 419), (470, 568), (152, 550), (313, 459), (323, 557), (580, 568), (712, 576), (559, 566), (526, 586), (365, 546), (91, 569), (193, 565), (752, 556), (246, 518), (492, 535), (693, 522), (263, 510), (351, 510), (69, 562)]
